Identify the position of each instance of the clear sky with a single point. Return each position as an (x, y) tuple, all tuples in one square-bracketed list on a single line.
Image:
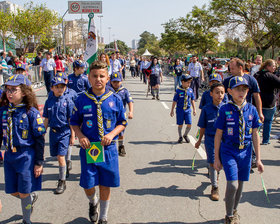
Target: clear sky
[(128, 18)]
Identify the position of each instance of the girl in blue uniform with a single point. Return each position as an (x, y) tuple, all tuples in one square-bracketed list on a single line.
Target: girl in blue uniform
[(184, 99), (78, 81), (155, 78), (237, 131), (57, 112), (206, 123), (116, 82), (99, 116), (22, 129)]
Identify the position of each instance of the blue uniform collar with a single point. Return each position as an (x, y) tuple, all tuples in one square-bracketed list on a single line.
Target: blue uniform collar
[(98, 97)]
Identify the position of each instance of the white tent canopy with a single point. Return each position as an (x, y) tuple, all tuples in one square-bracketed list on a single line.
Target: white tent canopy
[(146, 53)]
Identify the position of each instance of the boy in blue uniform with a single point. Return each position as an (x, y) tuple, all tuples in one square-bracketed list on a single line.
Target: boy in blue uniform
[(206, 96), (116, 82), (20, 69), (57, 111), (237, 129), (99, 116), (78, 81), (22, 130), (206, 123), (184, 99)]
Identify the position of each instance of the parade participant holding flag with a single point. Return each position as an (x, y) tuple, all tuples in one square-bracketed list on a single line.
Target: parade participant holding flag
[(98, 118)]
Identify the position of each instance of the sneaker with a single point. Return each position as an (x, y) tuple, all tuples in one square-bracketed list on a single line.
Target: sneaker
[(34, 196), (122, 151), (180, 140), (61, 186), (93, 214), (214, 194), (186, 138), (229, 220), (24, 222), (236, 217), (153, 98), (101, 221), (158, 98)]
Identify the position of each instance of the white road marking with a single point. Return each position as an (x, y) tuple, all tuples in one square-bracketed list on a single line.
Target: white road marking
[(200, 150), (165, 105)]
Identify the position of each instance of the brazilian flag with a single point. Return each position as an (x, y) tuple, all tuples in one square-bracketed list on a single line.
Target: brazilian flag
[(95, 154)]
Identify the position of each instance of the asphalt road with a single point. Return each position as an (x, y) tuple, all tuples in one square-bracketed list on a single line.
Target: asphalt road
[(157, 182)]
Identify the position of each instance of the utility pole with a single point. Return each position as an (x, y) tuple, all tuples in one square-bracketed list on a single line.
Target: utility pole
[(63, 32), (100, 28), (109, 35)]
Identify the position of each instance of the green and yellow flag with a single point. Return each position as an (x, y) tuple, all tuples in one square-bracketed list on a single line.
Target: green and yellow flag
[(95, 154)]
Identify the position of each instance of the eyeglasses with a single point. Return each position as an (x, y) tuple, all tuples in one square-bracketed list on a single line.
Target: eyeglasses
[(12, 91)]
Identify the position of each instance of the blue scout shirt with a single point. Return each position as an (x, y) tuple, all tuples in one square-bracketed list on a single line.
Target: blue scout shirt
[(124, 95), (58, 110), (208, 118), (27, 125), (70, 93), (179, 97), (228, 121), (85, 114), (156, 70), (207, 98), (253, 86), (78, 83)]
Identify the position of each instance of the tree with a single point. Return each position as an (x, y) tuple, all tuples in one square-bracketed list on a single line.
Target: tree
[(6, 20), (146, 37), (33, 24), (258, 19), (123, 48)]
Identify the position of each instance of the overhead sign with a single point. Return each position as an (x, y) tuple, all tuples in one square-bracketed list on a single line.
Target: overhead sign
[(80, 7)]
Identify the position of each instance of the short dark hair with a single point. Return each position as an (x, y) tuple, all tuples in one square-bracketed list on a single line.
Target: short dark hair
[(215, 85), (98, 65), (238, 62)]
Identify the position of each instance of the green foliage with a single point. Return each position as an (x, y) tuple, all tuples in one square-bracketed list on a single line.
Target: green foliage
[(123, 48), (35, 22), (146, 38), (149, 41), (260, 19), (6, 21)]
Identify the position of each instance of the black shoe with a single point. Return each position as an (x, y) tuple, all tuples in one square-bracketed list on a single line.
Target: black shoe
[(186, 138), (122, 151), (93, 214), (157, 97), (102, 221), (153, 98), (61, 186), (254, 164), (34, 196), (180, 140)]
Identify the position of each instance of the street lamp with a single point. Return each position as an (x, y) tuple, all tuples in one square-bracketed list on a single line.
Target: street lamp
[(109, 35), (100, 29)]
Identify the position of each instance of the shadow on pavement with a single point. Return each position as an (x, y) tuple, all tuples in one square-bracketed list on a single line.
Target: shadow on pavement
[(152, 142), (258, 198), (206, 222), (79, 220), (16, 218), (173, 191), (267, 162)]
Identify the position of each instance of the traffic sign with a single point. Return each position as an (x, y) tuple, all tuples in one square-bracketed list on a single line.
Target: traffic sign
[(84, 7)]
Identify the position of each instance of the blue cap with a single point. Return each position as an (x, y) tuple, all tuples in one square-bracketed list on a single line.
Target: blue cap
[(116, 76), (20, 66), (61, 75), (58, 80), (78, 64), (185, 78), (237, 81), (16, 80), (215, 77)]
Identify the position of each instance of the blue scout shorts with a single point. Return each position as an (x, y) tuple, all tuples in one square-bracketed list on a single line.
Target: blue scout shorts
[(236, 162), (59, 142), (19, 172), (182, 116), (104, 174)]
